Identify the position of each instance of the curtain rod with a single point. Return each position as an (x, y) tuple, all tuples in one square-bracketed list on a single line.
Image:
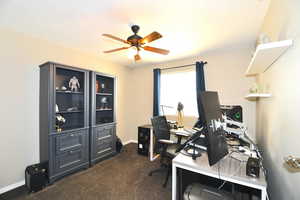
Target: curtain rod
[(181, 66)]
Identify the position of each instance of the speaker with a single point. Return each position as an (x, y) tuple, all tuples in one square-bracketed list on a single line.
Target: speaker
[(36, 176), (253, 167), (144, 139)]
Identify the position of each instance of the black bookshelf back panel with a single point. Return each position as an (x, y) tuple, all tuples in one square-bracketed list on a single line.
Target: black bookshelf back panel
[(63, 77), (73, 120), (104, 117), (104, 84), (69, 102), (104, 102)]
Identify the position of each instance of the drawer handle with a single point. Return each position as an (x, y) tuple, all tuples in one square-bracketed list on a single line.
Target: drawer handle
[(107, 149), (72, 152), (105, 137)]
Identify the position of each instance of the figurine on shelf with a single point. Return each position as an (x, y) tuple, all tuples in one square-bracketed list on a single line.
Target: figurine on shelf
[(97, 87), (74, 84), (72, 109), (56, 108), (60, 121), (104, 103), (180, 115), (255, 88), (102, 87), (63, 88)]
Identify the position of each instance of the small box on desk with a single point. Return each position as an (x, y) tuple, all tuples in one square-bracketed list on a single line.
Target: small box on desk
[(253, 167)]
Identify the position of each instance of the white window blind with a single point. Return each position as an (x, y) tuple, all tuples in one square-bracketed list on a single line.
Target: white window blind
[(179, 86)]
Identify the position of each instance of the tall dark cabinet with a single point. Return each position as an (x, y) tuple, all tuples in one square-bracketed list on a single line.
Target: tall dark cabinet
[(102, 116), (64, 119), (77, 118)]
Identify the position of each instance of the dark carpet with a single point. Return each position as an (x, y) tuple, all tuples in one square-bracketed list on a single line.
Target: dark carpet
[(123, 177)]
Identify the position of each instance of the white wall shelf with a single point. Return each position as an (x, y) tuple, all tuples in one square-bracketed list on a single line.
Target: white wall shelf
[(257, 95), (265, 55)]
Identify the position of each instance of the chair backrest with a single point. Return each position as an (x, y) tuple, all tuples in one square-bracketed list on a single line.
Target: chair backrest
[(161, 128)]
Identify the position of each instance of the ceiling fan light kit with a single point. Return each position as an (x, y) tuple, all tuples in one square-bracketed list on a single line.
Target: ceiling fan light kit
[(138, 42)]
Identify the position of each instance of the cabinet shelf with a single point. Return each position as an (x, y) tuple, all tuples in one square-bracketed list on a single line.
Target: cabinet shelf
[(265, 55), (65, 92), (108, 109), (69, 112), (104, 94), (257, 95)]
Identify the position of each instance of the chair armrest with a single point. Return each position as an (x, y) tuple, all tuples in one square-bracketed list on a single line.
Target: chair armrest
[(167, 141), (182, 134)]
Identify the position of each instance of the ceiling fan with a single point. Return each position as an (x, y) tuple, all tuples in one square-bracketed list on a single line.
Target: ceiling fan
[(138, 42)]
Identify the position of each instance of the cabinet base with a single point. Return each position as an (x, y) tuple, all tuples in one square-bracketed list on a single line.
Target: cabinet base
[(68, 172), (104, 157)]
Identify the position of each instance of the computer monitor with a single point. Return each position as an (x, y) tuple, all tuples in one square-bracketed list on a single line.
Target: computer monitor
[(209, 107), (217, 147), (210, 110)]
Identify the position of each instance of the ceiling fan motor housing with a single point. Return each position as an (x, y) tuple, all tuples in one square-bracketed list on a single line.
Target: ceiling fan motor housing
[(133, 39), (138, 42)]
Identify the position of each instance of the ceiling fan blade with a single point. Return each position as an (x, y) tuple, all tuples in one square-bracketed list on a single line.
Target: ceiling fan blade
[(137, 57), (115, 38), (156, 50), (151, 37), (118, 49)]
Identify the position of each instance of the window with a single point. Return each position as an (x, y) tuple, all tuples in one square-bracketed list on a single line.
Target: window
[(177, 87)]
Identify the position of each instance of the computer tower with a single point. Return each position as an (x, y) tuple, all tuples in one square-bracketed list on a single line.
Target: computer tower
[(144, 139), (36, 176), (234, 112)]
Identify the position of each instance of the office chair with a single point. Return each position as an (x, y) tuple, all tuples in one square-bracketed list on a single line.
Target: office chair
[(163, 145)]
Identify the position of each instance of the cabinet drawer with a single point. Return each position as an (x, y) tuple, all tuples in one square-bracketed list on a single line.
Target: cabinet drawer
[(70, 141), (69, 159), (104, 146), (104, 131)]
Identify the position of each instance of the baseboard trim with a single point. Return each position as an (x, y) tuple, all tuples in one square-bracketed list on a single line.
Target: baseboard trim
[(130, 141), (12, 186)]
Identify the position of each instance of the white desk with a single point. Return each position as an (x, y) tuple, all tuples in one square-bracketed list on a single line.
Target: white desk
[(230, 170)]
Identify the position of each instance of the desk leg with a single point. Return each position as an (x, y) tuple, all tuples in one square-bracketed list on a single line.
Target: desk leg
[(179, 184), (151, 145), (174, 182), (264, 194), (153, 156)]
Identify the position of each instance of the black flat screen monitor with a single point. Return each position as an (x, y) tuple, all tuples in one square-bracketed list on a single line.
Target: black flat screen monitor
[(217, 147), (211, 110), (210, 107)]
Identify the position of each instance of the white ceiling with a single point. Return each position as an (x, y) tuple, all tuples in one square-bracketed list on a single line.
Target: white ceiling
[(189, 27)]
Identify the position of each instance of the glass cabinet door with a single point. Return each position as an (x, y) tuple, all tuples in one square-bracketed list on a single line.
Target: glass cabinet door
[(69, 98), (104, 99)]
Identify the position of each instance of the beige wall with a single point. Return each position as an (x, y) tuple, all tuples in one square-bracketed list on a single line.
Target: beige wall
[(223, 73), (278, 117), (19, 86)]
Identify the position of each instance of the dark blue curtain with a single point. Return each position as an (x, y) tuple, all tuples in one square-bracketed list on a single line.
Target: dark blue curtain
[(156, 91), (200, 86)]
